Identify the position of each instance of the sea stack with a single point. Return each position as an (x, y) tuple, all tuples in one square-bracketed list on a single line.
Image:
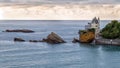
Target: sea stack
[(53, 38)]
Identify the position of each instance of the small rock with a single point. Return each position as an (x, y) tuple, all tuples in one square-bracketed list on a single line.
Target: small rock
[(20, 30), (19, 39), (75, 40), (35, 41)]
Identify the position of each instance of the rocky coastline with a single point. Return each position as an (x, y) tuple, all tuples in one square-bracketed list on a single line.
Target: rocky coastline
[(109, 35)]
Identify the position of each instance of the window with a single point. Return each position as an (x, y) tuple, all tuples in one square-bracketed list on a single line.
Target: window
[(96, 26)]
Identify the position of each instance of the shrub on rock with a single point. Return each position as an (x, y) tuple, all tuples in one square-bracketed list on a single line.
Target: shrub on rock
[(111, 30)]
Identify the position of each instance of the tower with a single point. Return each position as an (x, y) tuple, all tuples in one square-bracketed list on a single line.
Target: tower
[(96, 24)]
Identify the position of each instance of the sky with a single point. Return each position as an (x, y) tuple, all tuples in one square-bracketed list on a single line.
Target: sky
[(62, 1), (59, 9)]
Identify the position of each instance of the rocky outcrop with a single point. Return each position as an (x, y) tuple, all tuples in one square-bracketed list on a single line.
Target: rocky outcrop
[(87, 37), (53, 38), (19, 40), (75, 40), (20, 30)]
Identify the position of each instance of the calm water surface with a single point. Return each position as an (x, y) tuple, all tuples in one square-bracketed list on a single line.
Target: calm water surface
[(43, 55)]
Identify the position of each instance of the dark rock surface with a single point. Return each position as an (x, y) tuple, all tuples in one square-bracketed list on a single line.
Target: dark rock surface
[(53, 38), (20, 30), (75, 40), (35, 41), (19, 40)]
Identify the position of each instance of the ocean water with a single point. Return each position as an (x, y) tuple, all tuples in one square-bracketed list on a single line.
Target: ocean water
[(43, 55)]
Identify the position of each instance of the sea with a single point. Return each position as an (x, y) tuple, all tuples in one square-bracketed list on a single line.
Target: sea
[(44, 55)]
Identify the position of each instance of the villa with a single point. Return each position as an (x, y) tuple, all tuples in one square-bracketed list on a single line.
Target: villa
[(95, 23)]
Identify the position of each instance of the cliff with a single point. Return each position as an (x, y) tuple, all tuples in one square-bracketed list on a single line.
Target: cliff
[(87, 36)]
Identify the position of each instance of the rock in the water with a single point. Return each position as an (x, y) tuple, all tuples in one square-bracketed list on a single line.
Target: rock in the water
[(35, 41), (53, 38), (75, 40), (19, 40), (87, 37), (20, 30)]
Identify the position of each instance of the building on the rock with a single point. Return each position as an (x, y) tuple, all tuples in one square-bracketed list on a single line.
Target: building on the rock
[(91, 31), (95, 23)]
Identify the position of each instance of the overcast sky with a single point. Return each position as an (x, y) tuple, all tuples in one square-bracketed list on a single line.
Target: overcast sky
[(108, 9), (62, 1)]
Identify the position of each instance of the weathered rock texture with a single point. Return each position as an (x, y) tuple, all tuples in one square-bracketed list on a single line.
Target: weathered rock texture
[(53, 38), (87, 37)]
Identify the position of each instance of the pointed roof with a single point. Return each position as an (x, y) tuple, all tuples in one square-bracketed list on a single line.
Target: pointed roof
[(95, 20)]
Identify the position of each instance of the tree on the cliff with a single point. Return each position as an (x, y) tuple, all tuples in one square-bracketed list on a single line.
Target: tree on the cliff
[(111, 30)]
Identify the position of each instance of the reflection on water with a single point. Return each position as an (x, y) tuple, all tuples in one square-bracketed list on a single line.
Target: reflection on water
[(88, 45), (102, 47), (111, 48)]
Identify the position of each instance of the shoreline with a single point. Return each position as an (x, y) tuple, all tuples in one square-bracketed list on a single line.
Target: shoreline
[(107, 42)]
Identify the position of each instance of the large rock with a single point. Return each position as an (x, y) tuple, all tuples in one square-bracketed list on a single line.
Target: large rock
[(87, 37), (19, 40), (20, 30), (53, 38)]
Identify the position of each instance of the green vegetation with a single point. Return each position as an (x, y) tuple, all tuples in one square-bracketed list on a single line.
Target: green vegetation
[(85, 31), (111, 30), (82, 31), (91, 30)]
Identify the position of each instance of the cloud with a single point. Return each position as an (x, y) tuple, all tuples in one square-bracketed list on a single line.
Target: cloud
[(62, 1), (60, 12)]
